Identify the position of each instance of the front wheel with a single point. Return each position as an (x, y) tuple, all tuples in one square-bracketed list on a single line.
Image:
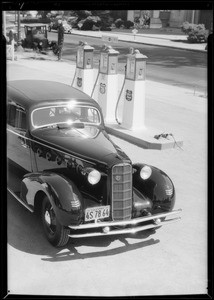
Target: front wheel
[(56, 233)]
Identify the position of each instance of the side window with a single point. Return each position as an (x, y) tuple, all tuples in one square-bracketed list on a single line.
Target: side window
[(16, 116), (20, 119), (11, 115)]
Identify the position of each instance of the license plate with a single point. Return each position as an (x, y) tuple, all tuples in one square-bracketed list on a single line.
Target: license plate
[(95, 213)]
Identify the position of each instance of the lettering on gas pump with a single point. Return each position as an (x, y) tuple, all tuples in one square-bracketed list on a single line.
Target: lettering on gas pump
[(88, 64), (79, 81), (128, 95), (102, 88)]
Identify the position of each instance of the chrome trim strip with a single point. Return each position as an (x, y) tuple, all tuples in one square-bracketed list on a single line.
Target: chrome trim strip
[(33, 141), (20, 201), (126, 230), (122, 223)]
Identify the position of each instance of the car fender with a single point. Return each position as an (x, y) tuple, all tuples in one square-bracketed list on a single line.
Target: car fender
[(61, 192), (158, 188)]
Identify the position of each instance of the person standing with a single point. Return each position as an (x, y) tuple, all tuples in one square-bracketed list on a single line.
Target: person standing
[(60, 39)]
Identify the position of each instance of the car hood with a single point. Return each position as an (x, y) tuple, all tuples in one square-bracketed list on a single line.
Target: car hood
[(90, 143)]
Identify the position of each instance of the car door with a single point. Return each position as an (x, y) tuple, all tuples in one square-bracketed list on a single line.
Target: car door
[(18, 145)]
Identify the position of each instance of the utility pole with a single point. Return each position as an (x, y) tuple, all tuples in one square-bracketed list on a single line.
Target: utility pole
[(19, 47)]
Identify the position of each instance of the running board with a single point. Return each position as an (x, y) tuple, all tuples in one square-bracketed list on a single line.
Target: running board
[(20, 201)]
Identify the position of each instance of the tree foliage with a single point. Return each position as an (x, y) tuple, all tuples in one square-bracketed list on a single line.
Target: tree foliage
[(196, 32)]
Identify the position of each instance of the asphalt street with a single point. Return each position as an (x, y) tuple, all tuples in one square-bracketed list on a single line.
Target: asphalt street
[(172, 261)]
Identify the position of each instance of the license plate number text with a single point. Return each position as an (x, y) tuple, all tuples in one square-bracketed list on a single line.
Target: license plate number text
[(95, 213)]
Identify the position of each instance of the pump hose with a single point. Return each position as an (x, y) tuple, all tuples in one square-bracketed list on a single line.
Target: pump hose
[(95, 83), (96, 80), (74, 76), (116, 109)]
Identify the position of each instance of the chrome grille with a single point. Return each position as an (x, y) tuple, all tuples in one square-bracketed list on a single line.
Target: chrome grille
[(121, 192)]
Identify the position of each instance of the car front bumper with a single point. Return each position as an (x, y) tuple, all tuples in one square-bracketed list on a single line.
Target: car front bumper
[(132, 226)]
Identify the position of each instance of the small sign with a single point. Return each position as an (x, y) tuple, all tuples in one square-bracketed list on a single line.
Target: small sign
[(52, 112), (79, 81), (110, 38), (135, 31), (113, 68), (88, 64), (105, 60), (132, 65), (140, 74), (128, 95), (102, 88)]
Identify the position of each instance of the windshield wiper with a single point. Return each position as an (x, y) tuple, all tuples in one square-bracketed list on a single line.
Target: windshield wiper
[(47, 126), (74, 125)]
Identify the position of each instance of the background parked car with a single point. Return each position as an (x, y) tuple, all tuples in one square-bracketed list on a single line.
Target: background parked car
[(54, 25), (36, 37)]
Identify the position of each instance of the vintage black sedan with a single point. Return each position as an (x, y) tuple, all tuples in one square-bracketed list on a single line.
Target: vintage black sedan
[(71, 173)]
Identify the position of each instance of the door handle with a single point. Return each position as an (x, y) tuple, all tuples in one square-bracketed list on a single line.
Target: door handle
[(23, 143)]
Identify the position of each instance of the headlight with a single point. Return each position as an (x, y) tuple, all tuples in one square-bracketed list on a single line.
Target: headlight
[(145, 172), (40, 43), (94, 177)]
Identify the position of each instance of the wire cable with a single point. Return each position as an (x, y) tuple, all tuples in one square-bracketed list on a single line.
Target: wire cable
[(74, 77), (116, 109), (165, 135)]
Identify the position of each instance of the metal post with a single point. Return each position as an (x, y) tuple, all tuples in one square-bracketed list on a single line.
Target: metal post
[(4, 23), (19, 30), (19, 47), (193, 16)]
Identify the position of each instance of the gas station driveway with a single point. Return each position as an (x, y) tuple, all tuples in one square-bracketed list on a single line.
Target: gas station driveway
[(172, 261)]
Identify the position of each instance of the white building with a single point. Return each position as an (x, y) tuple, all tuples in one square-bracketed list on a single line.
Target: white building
[(174, 18)]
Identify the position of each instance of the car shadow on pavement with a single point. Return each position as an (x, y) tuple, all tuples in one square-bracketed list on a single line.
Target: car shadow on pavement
[(25, 234), (72, 253)]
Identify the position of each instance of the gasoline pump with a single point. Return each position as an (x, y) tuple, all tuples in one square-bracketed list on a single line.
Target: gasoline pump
[(107, 82), (133, 116), (84, 75)]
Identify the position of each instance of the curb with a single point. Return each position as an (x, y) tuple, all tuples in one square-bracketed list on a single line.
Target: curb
[(144, 43)]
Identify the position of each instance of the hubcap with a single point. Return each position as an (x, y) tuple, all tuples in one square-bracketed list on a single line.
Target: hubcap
[(47, 217), (50, 220)]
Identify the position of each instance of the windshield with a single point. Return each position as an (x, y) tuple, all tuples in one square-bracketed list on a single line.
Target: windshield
[(68, 114)]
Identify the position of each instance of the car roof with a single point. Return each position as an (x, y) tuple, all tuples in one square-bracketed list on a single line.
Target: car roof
[(30, 93), (36, 25)]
